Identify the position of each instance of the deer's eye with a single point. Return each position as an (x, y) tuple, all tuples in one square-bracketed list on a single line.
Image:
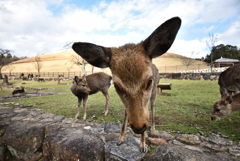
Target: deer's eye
[(149, 83), (218, 110), (117, 88)]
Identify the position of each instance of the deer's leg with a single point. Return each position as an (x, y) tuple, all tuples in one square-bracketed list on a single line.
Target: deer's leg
[(143, 148), (123, 132), (85, 99), (107, 102), (79, 104), (152, 100)]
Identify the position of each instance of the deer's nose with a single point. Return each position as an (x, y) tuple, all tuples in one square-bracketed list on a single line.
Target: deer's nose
[(139, 130), (213, 118)]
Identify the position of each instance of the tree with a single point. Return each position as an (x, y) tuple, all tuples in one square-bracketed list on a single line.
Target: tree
[(68, 69), (226, 51), (4, 60), (10, 68), (188, 60), (38, 64), (211, 45), (79, 61)]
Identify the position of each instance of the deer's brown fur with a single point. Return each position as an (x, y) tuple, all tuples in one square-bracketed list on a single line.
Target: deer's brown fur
[(229, 80), (88, 85), (134, 76), (18, 91), (225, 106)]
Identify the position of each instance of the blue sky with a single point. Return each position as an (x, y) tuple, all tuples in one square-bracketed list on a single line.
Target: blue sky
[(32, 27)]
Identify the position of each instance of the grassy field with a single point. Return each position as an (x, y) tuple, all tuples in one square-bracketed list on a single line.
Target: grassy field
[(184, 109)]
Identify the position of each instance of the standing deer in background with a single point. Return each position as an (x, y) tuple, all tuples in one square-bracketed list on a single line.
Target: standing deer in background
[(82, 87), (134, 75)]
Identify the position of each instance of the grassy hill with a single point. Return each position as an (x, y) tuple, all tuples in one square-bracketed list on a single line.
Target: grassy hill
[(60, 62)]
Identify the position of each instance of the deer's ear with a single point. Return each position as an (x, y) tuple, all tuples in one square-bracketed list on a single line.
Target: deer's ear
[(98, 56), (76, 79), (228, 100), (162, 38)]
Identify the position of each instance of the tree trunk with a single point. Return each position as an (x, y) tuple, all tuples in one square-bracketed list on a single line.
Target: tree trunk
[(1, 73), (83, 67)]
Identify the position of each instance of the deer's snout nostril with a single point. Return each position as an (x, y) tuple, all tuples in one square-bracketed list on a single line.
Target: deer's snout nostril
[(138, 131)]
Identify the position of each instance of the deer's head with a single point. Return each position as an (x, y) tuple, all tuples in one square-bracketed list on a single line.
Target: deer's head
[(80, 84), (222, 108), (131, 69)]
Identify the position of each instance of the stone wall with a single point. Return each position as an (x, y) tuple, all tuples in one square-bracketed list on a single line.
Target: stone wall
[(30, 135), (191, 76)]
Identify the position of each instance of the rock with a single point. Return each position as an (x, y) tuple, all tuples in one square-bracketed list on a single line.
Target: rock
[(73, 144), (169, 152), (58, 118), (129, 150), (111, 136), (162, 134), (189, 139), (108, 128), (175, 142), (25, 138), (234, 151), (157, 141), (51, 128), (219, 141)]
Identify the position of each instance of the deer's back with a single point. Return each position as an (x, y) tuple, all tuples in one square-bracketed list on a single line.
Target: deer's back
[(230, 77), (98, 82)]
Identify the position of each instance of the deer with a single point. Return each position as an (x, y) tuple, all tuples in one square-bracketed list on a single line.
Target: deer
[(229, 80), (18, 91), (91, 84), (225, 106), (134, 75), (41, 80)]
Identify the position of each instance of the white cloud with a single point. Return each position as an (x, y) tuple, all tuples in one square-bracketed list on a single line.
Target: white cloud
[(232, 35), (183, 47), (30, 27)]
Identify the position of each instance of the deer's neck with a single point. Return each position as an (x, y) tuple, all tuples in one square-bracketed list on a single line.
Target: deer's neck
[(236, 102)]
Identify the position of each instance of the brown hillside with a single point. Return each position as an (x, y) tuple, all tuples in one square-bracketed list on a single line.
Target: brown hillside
[(59, 62), (49, 57)]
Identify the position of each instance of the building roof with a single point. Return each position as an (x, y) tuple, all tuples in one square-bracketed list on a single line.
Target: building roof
[(224, 60)]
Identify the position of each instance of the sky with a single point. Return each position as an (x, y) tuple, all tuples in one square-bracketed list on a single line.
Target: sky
[(36, 27)]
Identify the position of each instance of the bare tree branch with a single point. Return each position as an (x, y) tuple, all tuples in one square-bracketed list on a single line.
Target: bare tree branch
[(79, 61), (10, 68), (188, 60), (210, 45), (68, 45), (38, 64)]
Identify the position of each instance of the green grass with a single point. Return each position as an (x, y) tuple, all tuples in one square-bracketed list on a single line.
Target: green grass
[(186, 108)]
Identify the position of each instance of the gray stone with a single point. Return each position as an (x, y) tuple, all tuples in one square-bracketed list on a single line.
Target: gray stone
[(189, 139), (162, 134), (175, 142), (58, 118), (25, 137), (73, 144), (108, 128), (235, 151), (169, 152), (129, 150), (219, 141), (97, 130), (46, 120)]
